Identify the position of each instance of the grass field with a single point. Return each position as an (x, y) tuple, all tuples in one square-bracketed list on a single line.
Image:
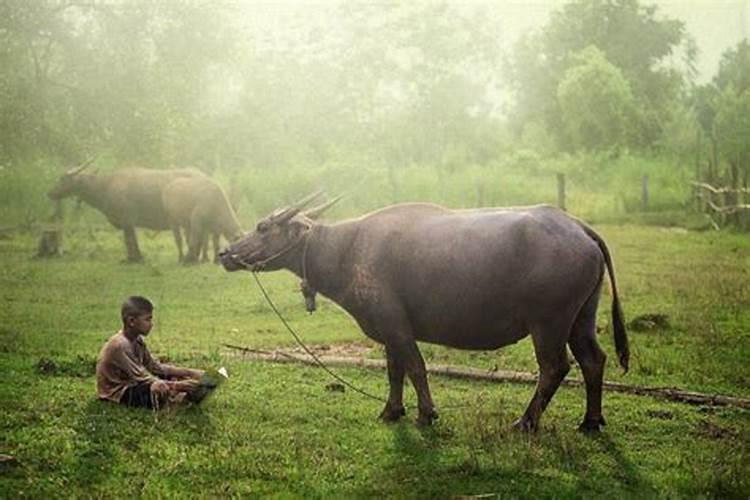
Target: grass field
[(275, 429)]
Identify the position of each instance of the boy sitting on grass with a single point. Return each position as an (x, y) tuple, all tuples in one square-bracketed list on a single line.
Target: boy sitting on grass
[(126, 373)]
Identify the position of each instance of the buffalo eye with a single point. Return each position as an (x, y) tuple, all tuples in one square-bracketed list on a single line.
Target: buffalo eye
[(262, 227)]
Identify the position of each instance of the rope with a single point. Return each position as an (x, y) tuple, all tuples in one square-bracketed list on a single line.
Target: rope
[(307, 350)]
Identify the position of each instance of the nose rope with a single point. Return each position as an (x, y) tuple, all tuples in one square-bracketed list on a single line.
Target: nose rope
[(307, 350), (318, 361), (261, 264)]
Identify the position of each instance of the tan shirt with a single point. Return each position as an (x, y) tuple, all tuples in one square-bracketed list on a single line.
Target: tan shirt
[(123, 363)]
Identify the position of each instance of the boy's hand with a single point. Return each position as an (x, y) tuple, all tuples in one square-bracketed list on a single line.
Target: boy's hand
[(161, 388), (184, 385)]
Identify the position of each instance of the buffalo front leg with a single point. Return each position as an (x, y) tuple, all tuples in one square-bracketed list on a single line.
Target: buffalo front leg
[(553, 366), (177, 233), (394, 407), (408, 352), (131, 245)]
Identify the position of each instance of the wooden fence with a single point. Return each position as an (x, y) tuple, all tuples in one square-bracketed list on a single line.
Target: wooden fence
[(723, 203)]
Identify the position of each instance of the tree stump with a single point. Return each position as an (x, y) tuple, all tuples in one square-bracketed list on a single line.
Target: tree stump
[(50, 243)]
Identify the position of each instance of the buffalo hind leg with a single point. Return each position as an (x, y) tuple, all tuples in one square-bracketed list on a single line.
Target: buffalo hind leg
[(591, 358), (215, 238), (394, 407), (553, 366)]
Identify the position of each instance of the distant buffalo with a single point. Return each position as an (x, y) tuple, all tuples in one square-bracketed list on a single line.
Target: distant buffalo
[(199, 206), (128, 197)]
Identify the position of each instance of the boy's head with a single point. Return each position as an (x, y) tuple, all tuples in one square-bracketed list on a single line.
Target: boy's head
[(137, 314)]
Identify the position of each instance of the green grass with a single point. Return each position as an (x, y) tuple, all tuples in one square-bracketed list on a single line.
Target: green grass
[(274, 430)]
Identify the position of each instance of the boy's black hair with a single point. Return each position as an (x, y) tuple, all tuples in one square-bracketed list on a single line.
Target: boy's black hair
[(135, 306)]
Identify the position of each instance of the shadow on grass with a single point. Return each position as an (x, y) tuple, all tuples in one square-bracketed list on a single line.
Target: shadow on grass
[(628, 474), (109, 433), (440, 462), (101, 433)]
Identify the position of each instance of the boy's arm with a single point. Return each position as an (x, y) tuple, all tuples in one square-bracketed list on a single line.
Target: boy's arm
[(177, 372), (183, 385), (164, 370)]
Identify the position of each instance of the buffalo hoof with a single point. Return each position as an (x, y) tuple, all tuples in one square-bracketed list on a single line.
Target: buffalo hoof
[(426, 418), (592, 425), (525, 425), (392, 414)]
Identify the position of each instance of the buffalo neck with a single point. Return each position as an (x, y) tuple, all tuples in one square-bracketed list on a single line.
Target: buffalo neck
[(91, 189), (324, 253)]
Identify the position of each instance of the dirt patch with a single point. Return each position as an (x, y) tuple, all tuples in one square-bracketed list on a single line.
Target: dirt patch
[(648, 322), (80, 366), (351, 350), (660, 414), (348, 349), (713, 431)]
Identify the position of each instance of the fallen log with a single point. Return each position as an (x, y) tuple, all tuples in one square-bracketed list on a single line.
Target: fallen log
[(460, 372)]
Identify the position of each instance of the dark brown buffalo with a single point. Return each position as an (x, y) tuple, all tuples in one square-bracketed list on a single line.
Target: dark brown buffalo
[(470, 279)]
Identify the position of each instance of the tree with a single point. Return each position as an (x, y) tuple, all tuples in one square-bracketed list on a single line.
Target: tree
[(630, 36), (734, 68), (719, 106), (596, 104), (121, 76)]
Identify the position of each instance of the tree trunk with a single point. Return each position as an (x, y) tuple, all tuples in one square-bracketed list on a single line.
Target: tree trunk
[(667, 393)]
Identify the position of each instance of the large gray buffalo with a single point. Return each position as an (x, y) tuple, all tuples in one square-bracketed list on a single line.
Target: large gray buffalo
[(470, 279), (128, 197)]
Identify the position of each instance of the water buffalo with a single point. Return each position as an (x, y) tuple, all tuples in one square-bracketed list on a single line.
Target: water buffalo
[(200, 207), (128, 197), (469, 279)]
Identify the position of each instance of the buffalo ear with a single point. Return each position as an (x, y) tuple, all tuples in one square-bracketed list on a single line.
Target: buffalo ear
[(298, 227)]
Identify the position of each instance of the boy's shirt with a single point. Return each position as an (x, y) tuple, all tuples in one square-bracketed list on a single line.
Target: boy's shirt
[(123, 363)]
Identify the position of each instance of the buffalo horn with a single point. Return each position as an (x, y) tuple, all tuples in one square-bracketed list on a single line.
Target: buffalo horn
[(307, 199), (79, 168), (316, 212), (287, 213)]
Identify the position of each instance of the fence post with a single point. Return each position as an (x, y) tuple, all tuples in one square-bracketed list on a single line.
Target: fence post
[(644, 193), (561, 190)]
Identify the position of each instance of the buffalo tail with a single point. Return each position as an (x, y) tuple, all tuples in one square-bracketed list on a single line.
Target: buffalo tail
[(618, 324)]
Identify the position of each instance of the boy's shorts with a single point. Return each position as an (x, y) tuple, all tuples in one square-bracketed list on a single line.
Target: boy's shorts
[(138, 395)]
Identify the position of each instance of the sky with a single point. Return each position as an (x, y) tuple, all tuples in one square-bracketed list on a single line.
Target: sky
[(716, 26)]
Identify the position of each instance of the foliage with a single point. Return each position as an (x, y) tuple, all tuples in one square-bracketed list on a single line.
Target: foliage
[(540, 61), (215, 85), (90, 76), (733, 126), (596, 104), (721, 107), (734, 68)]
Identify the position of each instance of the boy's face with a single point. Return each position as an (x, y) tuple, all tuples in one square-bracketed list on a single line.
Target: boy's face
[(141, 323)]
